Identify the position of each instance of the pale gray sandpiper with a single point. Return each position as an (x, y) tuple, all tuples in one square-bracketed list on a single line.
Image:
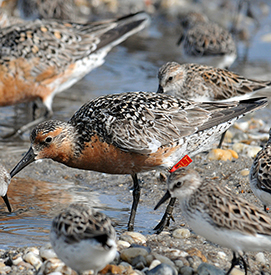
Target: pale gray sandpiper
[(48, 9), (260, 175), (133, 132), (218, 215), (4, 183), (206, 42), (206, 83), (83, 238)]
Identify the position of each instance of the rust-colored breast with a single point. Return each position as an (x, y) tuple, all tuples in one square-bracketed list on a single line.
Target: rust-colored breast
[(107, 158)]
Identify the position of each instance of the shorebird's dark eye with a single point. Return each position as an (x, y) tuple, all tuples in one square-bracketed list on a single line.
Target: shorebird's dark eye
[(179, 184), (48, 139), (170, 78)]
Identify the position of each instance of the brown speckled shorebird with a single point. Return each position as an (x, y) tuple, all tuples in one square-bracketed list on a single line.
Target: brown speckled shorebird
[(206, 83), (205, 42), (48, 9), (133, 132), (260, 175), (4, 183), (219, 215), (83, 238), (42, 58)]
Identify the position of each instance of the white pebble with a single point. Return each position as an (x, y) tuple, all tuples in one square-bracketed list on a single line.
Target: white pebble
[(222, 255), (33, 259), (133, 237), (17, 259), (47, 253), (181, 233), (122, 244), (260, 258), (154, 263)]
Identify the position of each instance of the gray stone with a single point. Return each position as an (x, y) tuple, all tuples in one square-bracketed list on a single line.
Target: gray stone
[(186, 270), (208, 269), (162, 269)]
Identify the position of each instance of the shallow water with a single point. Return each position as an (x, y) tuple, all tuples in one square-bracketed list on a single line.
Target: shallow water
[(132, 66)]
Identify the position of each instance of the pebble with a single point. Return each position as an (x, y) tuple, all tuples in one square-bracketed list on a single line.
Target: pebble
[(133, 237), (122, 244), (163, 259), (130, 253), (222, 255), (244, 172), (46, 252), (154, 263), (162, 269), (33, 259), (260, 258), (208, 269), (221, 154), (250, 151), (186, 270), (181, 233)]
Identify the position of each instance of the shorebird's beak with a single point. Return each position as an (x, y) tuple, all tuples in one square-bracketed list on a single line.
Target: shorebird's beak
[(165, 198), (160, 90), (27, 159), (5, 198), (180, 40)]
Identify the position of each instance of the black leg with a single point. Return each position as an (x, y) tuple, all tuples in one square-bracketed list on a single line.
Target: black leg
[(136, 196), (265, 208), (244, 263), (221, 140), (166, 217), (234, 262)]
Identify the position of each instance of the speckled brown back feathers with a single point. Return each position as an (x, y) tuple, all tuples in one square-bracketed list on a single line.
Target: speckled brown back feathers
[(79, 222), (198, 82), (225, 210)]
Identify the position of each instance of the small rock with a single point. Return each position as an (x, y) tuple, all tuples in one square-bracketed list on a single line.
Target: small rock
[(237, 271), (196, 252), (163, 259), (186, 270), (222, 255), (130, 253), (133, 237), (244, 172), (47, 252), (220, 154), (33, 259), (17, 259), (162, 269), (5, 269), (154, 263), (181, 233), (260, 258), (54, 265), (149, 259), (179, 264), (139, 262), (208, 269), (122, 244)]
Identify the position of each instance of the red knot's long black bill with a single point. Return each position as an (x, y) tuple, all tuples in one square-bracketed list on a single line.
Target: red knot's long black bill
[(5, 198), (163, 199), (27, 159)]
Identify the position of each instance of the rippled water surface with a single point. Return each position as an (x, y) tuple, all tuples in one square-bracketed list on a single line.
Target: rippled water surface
[(132, 66)]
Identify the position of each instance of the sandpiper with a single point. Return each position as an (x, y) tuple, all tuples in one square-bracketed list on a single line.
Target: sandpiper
[(206, 42), (84, 239), (260, 174), (205, 83), (218, 215), (44, 57), (133, 132), (4, 183)]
